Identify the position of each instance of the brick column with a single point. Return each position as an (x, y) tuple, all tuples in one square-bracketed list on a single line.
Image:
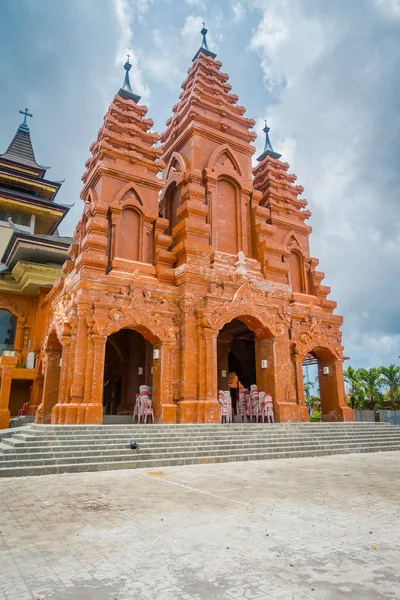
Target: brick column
[(333, 398), (94, 397), (276, 377), (188, 368), (51, 385), (209, 410), (58, 412), (7, 364), (165, 409), (303, 410), (77, 368)]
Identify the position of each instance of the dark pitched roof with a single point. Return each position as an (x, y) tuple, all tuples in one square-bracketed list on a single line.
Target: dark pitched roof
[(20, 149)]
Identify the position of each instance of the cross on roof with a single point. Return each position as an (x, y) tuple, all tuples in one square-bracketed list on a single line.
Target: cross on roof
[(26, 114)]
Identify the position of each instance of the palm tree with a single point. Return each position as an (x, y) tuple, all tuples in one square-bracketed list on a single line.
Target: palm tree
[(356, 390), (371, 381), (391, 378)]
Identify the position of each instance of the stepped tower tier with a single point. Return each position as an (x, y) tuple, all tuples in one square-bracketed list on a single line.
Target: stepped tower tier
[(208, 179)]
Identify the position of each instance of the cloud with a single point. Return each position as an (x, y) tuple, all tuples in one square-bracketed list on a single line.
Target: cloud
[(239, 12), (124, 14)]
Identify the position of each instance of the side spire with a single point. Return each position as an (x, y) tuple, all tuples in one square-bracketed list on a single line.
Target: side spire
[(204, 46), (126, 90), (20, 149), (268, 149)]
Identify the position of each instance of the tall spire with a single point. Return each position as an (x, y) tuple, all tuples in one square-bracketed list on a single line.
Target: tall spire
[(204, 46), (126, 90), (268, 149)]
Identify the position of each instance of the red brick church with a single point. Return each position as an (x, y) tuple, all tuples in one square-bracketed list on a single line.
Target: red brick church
[(177, 282)]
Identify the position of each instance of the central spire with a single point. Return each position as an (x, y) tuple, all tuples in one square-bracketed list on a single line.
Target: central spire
[(126, 90), (204, 46)]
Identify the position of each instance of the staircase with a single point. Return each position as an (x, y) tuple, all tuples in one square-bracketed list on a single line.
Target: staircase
[(47, 449)]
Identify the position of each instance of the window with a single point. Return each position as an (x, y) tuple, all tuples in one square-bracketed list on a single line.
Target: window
[(8, 325)]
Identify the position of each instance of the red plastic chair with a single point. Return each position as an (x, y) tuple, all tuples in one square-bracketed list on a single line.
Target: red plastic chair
[(22, 411)]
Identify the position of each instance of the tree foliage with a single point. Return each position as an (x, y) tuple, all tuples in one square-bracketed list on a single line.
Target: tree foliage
[(374, 388)]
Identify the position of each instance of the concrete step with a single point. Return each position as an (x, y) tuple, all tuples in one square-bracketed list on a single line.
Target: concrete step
[(38, 450), (11, 446), (137, 463), (71, 458)]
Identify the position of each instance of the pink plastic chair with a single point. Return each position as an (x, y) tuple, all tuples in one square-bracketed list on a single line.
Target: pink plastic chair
[(241, 406), (226, 411), (267, 407), (147, 410), (136, 410), (249, 408), (255, 407)]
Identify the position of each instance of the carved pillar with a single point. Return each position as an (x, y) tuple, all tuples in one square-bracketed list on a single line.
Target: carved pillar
[(189, 375), (298, 367), (87, 391), (36, 396), (165, 409), (331, 384), (78, 366), (94, 405), (211, 405), (51, 384), (58, 412), (7, 364)]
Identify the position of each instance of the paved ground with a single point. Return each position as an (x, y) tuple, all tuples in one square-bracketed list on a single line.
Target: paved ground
[(314, 528)]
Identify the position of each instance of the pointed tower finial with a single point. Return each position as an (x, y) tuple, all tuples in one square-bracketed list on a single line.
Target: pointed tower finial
[(268, 149), (126, 90), (24, 124), (204, 46)]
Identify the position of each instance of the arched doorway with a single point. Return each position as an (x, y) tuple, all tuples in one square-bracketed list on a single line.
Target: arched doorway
[(128, 365), (236, 358)]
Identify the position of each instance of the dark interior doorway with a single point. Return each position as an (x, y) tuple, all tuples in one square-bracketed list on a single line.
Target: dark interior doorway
[(128, 365)]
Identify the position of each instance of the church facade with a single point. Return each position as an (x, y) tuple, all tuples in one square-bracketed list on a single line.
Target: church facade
[(181, 281)]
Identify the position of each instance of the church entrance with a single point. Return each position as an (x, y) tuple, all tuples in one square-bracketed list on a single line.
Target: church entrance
[(236, 359), (128, 365)]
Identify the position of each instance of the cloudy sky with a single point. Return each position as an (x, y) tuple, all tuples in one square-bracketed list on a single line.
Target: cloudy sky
[(326, 75)]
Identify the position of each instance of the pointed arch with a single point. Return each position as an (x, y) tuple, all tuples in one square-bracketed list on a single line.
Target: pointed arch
[(292, 239), (128, 196), (176, 163), (224, 151)]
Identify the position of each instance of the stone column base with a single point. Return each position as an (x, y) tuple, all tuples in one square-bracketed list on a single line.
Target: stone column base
[(168, 414), (212, 411), (341, 413), (4, 418), (187, 411), (289, 412), (93, 414)]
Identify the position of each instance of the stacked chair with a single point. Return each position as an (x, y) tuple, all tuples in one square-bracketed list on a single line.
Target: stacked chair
[(143, 406), (256, 405), (225, 403)]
